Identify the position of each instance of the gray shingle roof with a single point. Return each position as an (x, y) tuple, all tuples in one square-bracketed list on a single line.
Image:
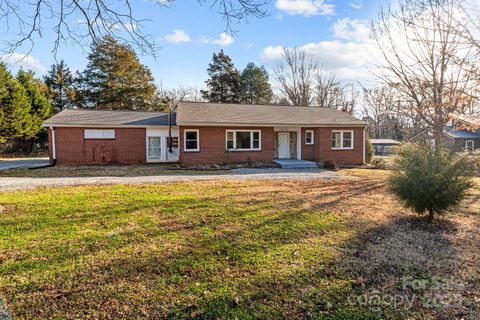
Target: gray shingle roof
[(463, 134), (384, 141), (108, 118), (191, 113)]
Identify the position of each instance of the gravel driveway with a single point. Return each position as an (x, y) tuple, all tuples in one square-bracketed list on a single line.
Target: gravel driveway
[(22, 163), (9, 183)]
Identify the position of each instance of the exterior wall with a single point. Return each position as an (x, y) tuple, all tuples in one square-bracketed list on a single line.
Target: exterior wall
[(212, 147), (322, 147), (128, 147), (458, 144)]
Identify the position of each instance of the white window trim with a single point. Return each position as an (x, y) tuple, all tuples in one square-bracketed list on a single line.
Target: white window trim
[(185, 140), (251, 140), (101, 134), (313, 137), (472, 143), (341, 139)]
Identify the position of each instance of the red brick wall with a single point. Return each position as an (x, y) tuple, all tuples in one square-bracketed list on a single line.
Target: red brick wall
[(212, 147), (322, 149), (129, 146)]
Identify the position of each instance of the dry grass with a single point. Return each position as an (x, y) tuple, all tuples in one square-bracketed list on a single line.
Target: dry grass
[(103, 171), (247, 250)]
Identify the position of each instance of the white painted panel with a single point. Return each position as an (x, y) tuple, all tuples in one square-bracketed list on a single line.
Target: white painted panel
[(99, 134), (162, 133)]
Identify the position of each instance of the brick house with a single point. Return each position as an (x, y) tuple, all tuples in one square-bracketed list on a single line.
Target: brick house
[(207, 133), (463, 133)]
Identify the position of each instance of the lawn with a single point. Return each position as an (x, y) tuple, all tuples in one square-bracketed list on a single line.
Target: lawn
[(226, 250), (60, 171)]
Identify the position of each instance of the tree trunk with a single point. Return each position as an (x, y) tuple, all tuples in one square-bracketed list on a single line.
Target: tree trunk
[(430, 214), (438, 137)]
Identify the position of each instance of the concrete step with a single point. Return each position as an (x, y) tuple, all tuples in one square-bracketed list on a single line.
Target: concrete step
[(295, 164)]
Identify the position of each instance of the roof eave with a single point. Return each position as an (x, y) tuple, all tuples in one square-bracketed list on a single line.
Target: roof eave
[(236, 124)]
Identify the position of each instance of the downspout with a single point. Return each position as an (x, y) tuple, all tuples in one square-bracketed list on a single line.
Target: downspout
[(54, 152), (364, 146), (170, 127), (54, 148)]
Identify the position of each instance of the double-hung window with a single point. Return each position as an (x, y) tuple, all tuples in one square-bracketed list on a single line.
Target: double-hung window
[(309, 137), (243, 140), (191, 140), (342, 139), (469, 145)]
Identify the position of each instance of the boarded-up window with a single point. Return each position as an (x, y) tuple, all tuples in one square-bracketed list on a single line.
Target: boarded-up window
[(99, 134)]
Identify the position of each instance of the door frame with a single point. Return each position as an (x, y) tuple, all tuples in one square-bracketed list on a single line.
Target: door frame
[(288, 135), (162, 133)]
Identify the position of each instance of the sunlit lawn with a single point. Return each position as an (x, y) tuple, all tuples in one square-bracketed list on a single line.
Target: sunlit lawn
[(246, 250)]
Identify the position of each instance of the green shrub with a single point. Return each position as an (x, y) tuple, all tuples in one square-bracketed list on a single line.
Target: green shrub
[(428, 180), (379, 163), (329, 164)]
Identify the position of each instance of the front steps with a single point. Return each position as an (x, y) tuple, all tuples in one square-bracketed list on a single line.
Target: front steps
[(295, 164)]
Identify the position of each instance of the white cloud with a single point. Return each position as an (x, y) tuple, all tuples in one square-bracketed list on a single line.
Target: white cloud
[(305, 7), (130, 27), (351, 29), (178, 36), (357, 4), (346, 59), (223, 40), (26, 61)]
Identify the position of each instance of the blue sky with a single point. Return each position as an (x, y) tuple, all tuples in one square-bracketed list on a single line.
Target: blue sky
[(334, 33)]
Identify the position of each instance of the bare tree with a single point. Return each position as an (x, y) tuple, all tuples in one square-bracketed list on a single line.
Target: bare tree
[(328, 91), (425, 60), (382, 109), (294, 77), (79, 20)]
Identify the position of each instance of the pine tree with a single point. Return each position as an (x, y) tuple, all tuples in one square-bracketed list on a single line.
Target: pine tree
[(15, 119), (60, 82), (40, 107), (255, 88), (224, 82), (115, 79)]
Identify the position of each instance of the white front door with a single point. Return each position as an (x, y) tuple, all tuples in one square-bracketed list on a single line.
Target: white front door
[(283, 145)]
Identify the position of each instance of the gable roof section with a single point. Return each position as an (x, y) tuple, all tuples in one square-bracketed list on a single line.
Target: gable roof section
[(197, 113), (108, 118), (463, 134)]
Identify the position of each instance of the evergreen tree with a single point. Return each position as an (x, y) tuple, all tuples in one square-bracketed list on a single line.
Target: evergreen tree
[(224, 82), (60, 82), (115, 79), (430, 180), (255, 88), (15, 119), (40, 107)]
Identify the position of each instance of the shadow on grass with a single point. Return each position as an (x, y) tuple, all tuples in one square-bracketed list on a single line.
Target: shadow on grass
[(236, 254)]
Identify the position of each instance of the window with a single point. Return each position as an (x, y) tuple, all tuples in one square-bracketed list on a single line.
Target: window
[(470, 145), (342, 139), (99, 134), (243, 140), (191, 140), (154, 148), (309, 137)]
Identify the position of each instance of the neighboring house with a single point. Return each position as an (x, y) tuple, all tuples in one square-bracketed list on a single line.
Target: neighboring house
[(384, 147), (207, 133), (463, 133)]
